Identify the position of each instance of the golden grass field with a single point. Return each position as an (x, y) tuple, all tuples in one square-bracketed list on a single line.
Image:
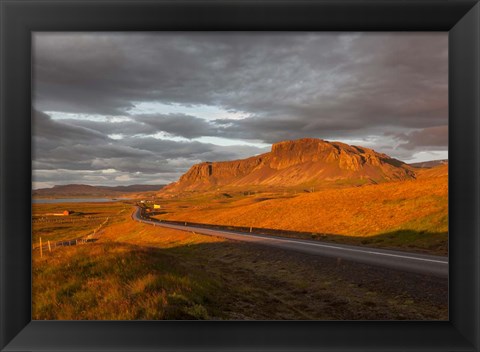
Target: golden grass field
[(85, 219), (137, 271), (408, 215)]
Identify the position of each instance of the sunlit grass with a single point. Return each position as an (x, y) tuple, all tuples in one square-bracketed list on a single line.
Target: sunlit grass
[(418, 208), (138, 271), (85, 219), (117, 281)]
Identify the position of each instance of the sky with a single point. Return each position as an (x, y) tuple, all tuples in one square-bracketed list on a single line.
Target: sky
[(142, 108)]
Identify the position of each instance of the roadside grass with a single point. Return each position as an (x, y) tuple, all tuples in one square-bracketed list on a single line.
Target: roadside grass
[(416, 211), (115, 281), (137, 271)]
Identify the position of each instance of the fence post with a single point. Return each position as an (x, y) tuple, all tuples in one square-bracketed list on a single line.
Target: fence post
[(49, 248), (41, 251)]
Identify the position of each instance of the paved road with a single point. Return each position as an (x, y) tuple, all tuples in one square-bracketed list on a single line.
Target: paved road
[(411, 262)]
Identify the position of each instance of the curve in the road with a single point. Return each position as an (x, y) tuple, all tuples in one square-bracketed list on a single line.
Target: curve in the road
[(410, 262)]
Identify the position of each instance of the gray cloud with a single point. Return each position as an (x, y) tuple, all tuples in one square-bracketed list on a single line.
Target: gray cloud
[(179, 125), (324, 76), (109, 128), (67, 152), (44, 127), (352, 86), (436, 137)]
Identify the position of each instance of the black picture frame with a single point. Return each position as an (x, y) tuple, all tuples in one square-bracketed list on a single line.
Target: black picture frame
[(19, 18)]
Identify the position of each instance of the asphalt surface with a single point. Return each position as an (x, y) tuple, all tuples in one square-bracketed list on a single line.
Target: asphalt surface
[(403, 261)]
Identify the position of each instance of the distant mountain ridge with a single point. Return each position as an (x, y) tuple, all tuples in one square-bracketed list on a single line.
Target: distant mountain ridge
[(80, 190), (307, 161), (430, 163)]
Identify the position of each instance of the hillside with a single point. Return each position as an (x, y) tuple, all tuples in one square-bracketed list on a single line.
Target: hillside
[(430, 164), (420, 205), (436, 171), (78, 190), (307, 162)]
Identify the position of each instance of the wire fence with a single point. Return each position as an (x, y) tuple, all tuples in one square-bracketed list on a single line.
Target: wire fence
[(51, 245)]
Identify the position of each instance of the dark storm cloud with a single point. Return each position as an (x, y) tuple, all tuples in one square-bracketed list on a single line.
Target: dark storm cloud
[(377, 82), (179, 125), (436, 137), (105, 73), (44, 127), (193, 150), (148, 124), (65, 151), (286, 85), (388, 79)]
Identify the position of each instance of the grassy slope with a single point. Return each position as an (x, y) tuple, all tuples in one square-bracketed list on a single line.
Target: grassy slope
[(136, 271), (406, 215)]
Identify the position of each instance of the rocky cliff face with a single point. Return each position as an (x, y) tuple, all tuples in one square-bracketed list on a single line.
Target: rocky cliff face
[(292, 163), (219, 172)]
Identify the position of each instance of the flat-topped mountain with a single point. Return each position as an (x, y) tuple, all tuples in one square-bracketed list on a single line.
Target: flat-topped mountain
[(304, 162), (79, 190)]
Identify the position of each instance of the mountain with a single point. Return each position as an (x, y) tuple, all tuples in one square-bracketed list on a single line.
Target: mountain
[(430, 164), (78, 190), (134, 188), (305, 162), (73, 190)]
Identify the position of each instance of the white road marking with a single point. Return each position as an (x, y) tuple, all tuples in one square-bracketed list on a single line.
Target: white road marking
[(304, 243), (334, 247)]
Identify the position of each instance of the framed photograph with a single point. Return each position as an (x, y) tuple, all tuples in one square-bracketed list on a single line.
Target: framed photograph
[(233, 175)]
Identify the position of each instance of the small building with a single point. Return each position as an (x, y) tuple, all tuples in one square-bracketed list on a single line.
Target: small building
[(156, 206)]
